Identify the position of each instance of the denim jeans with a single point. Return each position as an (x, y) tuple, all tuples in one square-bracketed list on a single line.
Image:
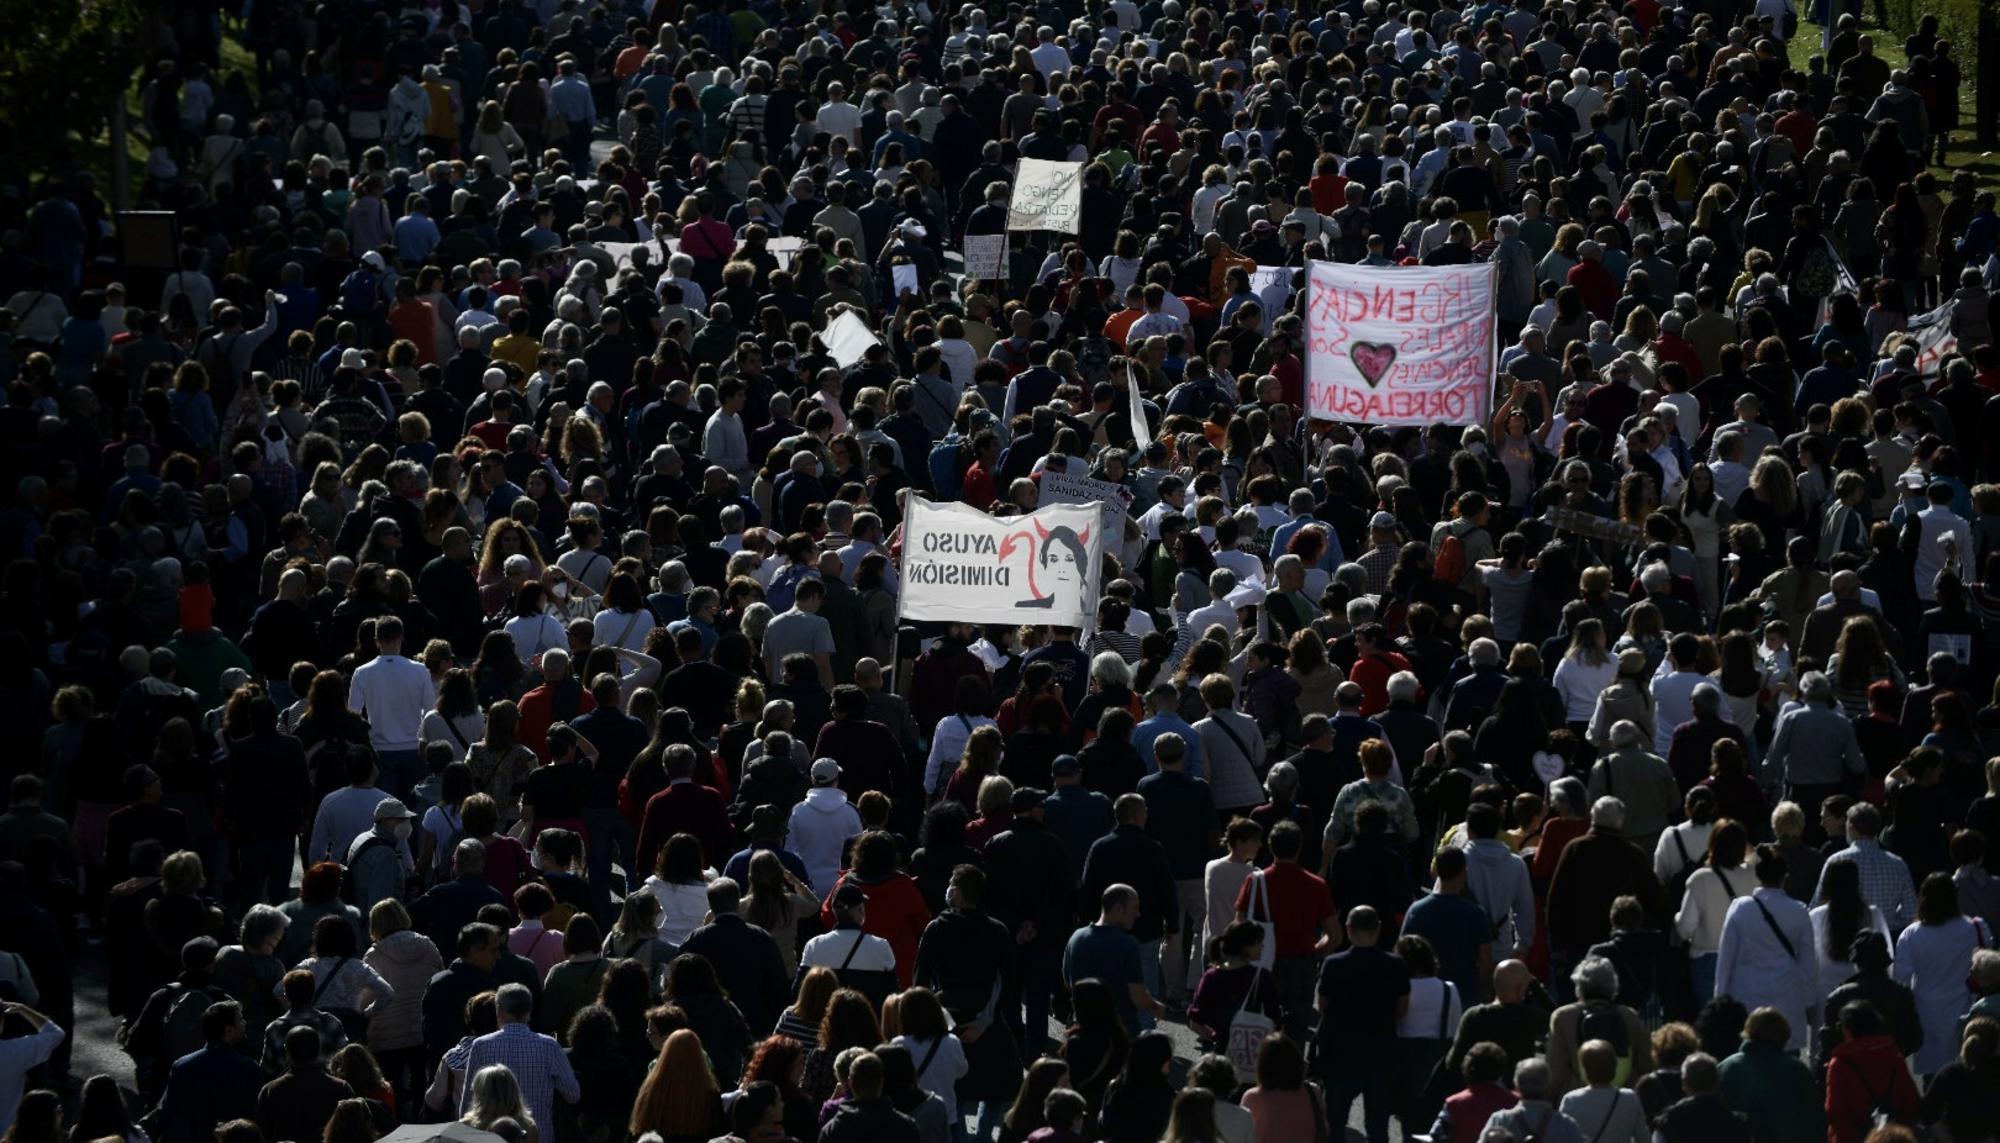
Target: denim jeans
[(1182, 961), (607, 837), (399, 771), (264, 870), (1149, 967), (1377, 1089), (1041, 971), (1298, 979), (1701, 975)]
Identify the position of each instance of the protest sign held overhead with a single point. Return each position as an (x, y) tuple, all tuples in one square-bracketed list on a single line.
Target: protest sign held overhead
[(985, 256), (1115, 500), (1399, 345), (847, 338), (962, 566), (1932, 332), (1047, 196)]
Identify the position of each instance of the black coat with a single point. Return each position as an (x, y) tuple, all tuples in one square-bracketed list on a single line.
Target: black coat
[(746, 961), (1127, 856), (1701, 1119), (1028, 880), (967, 958), (444, 1003), (869, 1121), (450, 906)]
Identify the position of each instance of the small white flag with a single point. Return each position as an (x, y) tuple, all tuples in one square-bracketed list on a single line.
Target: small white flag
[(1141, 433)]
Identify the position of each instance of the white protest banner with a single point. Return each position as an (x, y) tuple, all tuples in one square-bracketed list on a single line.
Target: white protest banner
[(985, 256), (1273, 287), (1047, 196), (904, 276), (847, 338), (1934, 338), (1115, 499), (1142, 433), (962, 566), (1399, 345)]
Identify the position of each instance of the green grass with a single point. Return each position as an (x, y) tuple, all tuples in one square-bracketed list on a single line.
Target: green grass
[(1958, 22)]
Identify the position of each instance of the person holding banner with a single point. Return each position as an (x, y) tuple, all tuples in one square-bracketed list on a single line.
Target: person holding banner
[(1302, 402)]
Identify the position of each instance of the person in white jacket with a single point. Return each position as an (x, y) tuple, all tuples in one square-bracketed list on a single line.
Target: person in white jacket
[(822, 825)]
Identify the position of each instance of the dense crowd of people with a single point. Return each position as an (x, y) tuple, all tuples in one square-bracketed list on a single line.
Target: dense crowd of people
[(450, 615)]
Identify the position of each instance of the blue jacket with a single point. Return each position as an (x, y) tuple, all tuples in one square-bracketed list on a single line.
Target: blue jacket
[(205, 1089)]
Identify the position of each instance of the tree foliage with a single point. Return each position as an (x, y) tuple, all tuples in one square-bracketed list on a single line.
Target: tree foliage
[(62, 64)]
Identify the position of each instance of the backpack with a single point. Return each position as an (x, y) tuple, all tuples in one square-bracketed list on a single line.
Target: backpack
[(180, 1032), (1450, 565), (358, 293), (1815, 276), (1602, 1020), (349, 891), (947, 475)]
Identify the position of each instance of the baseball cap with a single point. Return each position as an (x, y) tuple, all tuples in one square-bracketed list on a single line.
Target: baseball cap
[(373, 260), (849, 895), (825, 772), (1382, 521), (391, 808), (1027, 798), (1066, 765)]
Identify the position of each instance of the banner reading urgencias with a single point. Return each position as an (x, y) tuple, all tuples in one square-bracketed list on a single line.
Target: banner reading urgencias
[(962, 566)]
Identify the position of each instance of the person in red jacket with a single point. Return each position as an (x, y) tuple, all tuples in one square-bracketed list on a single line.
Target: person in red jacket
[(1463, 1117), (1375, 659), (1593, 281), (1866, 1073), (685, 807), (560, 698), (896, 909)]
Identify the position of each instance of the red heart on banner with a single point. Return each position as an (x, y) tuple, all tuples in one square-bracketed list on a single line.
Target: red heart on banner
[(1372, 360)]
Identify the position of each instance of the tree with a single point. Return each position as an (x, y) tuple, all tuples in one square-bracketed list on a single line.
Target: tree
[(64, 64)]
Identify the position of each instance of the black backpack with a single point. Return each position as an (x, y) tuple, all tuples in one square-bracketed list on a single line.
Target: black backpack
[(1602, 1020)]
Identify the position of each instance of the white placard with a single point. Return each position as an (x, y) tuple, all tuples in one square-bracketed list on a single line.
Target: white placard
[(960, 565), (1047, 196), (847, 338), (1114, 499), (1395, 345), (985, 256), (904, 276)]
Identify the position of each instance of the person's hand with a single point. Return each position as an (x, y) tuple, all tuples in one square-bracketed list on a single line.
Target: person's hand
[(969, 1033), (1026, 933)]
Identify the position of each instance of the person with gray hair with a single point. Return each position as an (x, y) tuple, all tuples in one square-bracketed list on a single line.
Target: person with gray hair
[(1814, 753), (1592, 873), (1536, 1116), (1594, 981), (251, 971), (537, 1061), (1474, 695), (1640, 780)]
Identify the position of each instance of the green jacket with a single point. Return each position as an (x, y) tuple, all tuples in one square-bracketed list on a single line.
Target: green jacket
[(1776, 1092)]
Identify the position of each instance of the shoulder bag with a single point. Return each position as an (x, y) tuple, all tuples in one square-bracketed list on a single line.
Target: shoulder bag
[(1260, 890), (1248, 1030)]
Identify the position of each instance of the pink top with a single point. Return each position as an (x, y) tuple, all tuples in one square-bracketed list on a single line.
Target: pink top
[(1283, 1114), (540, 945)]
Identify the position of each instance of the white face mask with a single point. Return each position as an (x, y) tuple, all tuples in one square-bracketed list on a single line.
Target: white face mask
[(403, 830)]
